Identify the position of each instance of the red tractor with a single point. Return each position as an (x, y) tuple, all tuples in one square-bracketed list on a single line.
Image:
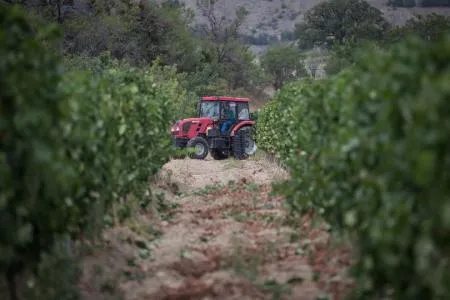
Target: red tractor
[(223, 128)]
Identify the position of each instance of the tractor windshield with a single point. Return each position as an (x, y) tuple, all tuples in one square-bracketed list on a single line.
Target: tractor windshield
[(210, 109)]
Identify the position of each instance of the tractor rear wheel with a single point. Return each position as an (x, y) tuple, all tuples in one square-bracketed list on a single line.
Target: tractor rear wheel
[(199, 147), (243, 143), (218, 154)]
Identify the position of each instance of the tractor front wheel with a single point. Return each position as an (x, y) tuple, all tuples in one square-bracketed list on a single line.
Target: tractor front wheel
[(199, 147), (243, 143)]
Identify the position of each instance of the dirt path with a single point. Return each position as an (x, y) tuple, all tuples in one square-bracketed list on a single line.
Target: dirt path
[(224, 236), (193, 175)]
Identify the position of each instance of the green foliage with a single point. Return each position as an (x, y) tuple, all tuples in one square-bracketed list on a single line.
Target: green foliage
[(254, 115), (385, 170), (57, 273), (274, 130), (429, 27), (237, 67), (315, 117), (375, 141), (284, 64), (338, 21), (267, 132), (36, 176), (345, 55), (71, 143), (224, 55), (212, 58), (185, 102), (117, 133), (162, 30), (139, 33)]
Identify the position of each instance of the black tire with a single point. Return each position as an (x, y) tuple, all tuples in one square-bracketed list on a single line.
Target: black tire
[(218, 154), (238, 142), (200, 143)]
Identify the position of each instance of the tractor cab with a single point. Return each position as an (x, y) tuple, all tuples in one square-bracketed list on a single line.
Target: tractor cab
[(225, 113), (222, 128)]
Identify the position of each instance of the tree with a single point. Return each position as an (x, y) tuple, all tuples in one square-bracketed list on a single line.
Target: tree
[(162, 30), (284, 64), (428, 27), (338, 21), (141, 31), (223, 49), (52, 9), (345, 55), (137, 31), (221, 31), (422, 3)]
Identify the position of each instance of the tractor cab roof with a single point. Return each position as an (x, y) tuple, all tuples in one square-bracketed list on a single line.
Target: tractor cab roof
[(223, 98)]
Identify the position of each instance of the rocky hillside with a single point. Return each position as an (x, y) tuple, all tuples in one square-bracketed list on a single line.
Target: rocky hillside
[(273, 17)]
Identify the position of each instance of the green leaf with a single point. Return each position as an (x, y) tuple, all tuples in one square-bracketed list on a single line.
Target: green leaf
[(25, 233)]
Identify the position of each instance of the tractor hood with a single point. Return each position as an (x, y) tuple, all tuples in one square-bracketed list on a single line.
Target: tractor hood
[(183, 127)]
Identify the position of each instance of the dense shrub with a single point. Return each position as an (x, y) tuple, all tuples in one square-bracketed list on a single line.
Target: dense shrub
[(320, 109), (377, 155), (285, 126), (384, 172), (57, 274), (36, 175), (71, 143), (117, 134), (266, 130), (254, 115), (273, 135)]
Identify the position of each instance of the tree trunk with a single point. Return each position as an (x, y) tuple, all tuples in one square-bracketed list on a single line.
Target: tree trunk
[(58, 8)]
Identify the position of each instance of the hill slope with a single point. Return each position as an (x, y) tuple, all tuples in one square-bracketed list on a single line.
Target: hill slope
[(276, 16)]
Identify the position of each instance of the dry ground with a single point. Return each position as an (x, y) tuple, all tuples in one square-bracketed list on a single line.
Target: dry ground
[(222, 235)]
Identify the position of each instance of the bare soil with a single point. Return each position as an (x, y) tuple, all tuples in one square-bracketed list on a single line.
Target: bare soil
[(221, 235)]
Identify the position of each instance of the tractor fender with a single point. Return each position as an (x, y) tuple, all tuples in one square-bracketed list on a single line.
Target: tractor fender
[(240, 125)]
